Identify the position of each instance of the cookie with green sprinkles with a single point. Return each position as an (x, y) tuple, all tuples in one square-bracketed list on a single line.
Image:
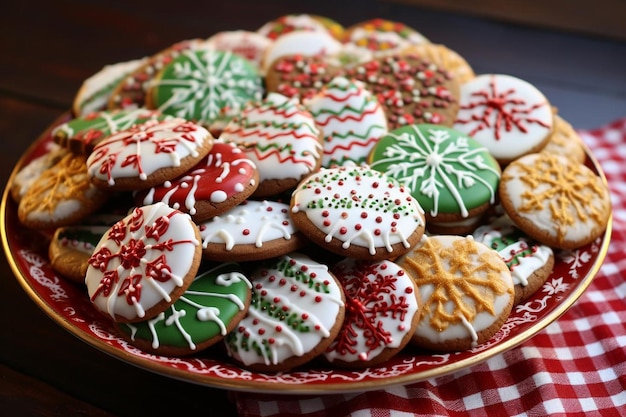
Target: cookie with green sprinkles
[(358, 212), (212, 306)]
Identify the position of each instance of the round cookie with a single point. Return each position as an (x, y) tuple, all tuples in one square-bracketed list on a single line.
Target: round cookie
[(148, 154), (555, 200), (351, 119), (294, 22), (205, 86), (143, 263), (530, 262), (453, 178), (94, 93), (565, 141), (466, 291), (222, 179), (299, 76), (249, 45), (280, 136), (445, 58), (29, 173), (411, 89), (253, 230), (82, 134), (302, 42), (296, 312), (212, 306), (382, 310), (382, 36), (357, 212), (507, 115), (62, 195)]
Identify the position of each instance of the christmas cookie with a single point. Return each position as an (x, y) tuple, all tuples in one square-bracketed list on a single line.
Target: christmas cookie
[(357, 212), (382, 36), (454, 178), (212, 306), (221, 180), (296, 312), (466, 291), (282, 139), (294, 22), (63, 194), (299, 76), (351, 119), (95, 91), (555, 200), (530, 262), (565, 141), (250, 45), (507, 115), (307, 43), (253, 230), (205, 86), (83, 133), (411, 89), (382, 311), (445, 58), (148, 154), (143, 263), (28, 174), (131, 91)]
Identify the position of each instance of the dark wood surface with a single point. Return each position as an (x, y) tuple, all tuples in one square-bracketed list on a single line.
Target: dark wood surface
[(49, 48)]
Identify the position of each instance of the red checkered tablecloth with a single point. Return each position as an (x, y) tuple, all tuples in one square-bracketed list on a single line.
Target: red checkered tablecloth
[(575, 367)]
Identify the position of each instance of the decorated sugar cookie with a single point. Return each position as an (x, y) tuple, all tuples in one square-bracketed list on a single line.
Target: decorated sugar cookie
[(466, 291), (296, 311), (411, 89), (222, 179), (452, 176), (205, 86), (280, 136), (306, 43), (299, 76), (143, 263), (382, 311), (357, 212), (148, 154), (530, 262), (445, 58), (212, 306), (29, 173), (555, 200), (351, 119), (294, 22), (250, 45), (507, 115), (252, 230), (95, 91), (83, 133), (382, 36)]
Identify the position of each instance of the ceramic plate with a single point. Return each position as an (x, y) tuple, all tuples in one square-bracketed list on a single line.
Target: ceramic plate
[(68, 305)]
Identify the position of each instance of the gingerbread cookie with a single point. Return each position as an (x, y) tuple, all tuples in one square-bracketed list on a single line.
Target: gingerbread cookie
[(63, 194), (382, 36), (148, 154), (305, 43), (299, 76), (351, 119), (382, 310), (466, 291), (296, 312), (212, 306), (411, 89), (357, 212), (282, 139), (530, 262), (507, 115), (565, 141), (143, 263), (295, 22), (253, 230), (555, 200), (205, 86), (454, 178), (28, 174), (445, 58), (83, 133), (221, 180), (250, 45)]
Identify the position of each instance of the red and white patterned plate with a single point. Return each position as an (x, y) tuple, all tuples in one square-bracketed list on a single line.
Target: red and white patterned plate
[(68, 305)]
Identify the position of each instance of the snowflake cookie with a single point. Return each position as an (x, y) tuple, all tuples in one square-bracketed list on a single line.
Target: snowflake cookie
[(556, 201), (357, 212), (466, 291), (296, 312), (382, 310), (143, 263), (454, 178), (213, 305)]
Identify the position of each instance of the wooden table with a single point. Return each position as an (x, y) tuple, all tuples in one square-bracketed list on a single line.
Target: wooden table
[(48, 48)]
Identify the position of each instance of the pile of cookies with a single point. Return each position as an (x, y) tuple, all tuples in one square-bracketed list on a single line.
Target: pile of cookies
[(309, 191)]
